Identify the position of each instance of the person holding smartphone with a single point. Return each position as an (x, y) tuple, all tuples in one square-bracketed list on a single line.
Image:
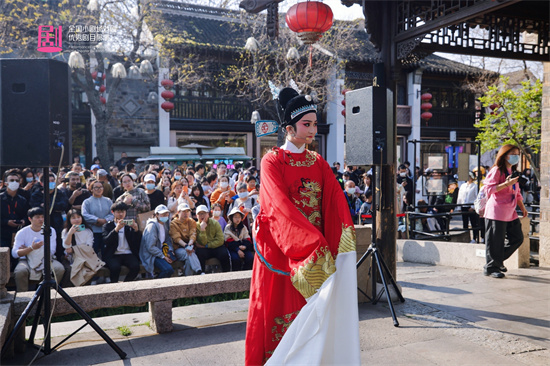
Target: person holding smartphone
[(122, 240), (501, 219), (76, 232)]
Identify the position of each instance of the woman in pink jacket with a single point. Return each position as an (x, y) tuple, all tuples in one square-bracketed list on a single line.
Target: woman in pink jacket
[(501, 219)]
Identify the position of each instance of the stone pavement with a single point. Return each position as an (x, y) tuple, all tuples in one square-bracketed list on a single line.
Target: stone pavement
[(451, 317)]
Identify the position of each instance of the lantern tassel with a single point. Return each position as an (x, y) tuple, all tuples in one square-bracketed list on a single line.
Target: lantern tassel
[(310, 55)]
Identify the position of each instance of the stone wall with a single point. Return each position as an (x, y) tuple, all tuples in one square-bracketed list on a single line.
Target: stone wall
[(135, 121), (544, 248)]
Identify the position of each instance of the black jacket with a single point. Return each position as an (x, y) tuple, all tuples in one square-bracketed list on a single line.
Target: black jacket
[(110, 238)]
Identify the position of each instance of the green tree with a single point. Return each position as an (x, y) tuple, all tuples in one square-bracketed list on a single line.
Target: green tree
[(515, 118)]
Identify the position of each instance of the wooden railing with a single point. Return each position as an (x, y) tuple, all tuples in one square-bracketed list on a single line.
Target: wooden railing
[(216, 109)]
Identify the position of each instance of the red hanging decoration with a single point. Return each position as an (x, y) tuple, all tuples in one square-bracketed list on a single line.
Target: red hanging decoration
[(425, 97), (310, 19), (167, 84), (167, 94), (102, 88), (94, 75), (426, 116), (167, 106), (426, 106), (102, 100)]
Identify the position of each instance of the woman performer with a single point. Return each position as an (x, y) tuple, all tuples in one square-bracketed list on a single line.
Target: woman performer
[(305, 245)]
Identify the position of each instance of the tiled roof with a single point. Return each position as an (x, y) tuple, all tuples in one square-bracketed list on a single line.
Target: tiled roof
[(216, 28)]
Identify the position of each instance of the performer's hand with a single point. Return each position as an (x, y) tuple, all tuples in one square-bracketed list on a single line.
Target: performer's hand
[(241, 254)]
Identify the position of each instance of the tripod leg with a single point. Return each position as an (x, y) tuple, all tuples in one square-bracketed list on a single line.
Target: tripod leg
[(365, 256), (36, 319), (90, 321), (22, 318), (392, 280), (383, 278)]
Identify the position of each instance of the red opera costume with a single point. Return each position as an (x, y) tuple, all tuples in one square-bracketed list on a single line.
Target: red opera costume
[(303, 226)]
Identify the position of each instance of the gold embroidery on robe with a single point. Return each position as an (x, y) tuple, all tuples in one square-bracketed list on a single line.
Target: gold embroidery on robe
[(311, 158), (310, 200), (347, 240), (281, 325), (307, 279)]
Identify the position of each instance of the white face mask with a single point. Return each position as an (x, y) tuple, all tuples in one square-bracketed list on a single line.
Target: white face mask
[(217, 213), (403, 174), (243, 195), (350, 190), (224, 185), (13, 186)]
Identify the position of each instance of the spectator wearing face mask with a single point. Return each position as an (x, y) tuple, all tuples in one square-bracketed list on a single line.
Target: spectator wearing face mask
[(223, 195), (217, 214), (354, 203), (407, 184), (245, 203), (13, 209), (156, 197), (156, 250)]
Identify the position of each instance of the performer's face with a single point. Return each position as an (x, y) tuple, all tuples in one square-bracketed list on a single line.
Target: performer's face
[(306, 129)]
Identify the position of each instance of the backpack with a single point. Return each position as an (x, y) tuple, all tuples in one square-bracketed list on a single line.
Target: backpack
[(481, 201)]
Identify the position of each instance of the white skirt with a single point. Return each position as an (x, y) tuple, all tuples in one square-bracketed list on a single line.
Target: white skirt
[(326, 331)]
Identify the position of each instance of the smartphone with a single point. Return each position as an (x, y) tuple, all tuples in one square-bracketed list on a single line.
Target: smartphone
[(81, 227), (514, 174), (128, 222), (78, 185)]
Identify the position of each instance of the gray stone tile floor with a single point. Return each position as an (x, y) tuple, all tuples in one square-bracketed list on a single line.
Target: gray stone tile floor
[(451, 316)]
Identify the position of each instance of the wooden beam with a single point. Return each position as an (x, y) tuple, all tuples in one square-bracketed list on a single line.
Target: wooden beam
[(455, 18)]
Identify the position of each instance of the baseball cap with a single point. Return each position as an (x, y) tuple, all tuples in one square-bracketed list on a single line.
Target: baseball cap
[(149, 177), (183, 207), (102, 172), (161, 209), (95, 166), (202, 208)]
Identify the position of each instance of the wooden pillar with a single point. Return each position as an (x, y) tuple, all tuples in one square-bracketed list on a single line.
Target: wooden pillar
[(384, 73), (544, 227)]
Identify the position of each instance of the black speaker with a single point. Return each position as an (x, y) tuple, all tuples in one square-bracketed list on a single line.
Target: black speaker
[(368, 127), (35, 112)]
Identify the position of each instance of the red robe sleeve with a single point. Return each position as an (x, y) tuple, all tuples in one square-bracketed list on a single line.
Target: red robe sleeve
[(287, 240)]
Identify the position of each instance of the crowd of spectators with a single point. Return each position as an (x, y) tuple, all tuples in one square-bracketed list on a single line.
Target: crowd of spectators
[(189, 214), (120, 216)]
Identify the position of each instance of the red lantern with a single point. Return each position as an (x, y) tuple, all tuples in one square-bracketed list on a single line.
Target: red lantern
[(102, 88), (94, 75), (493, 106), (426, 106), (426, 116), (167, 106), (102, 100), (425, 97), (167, 84), (310, 19), (104, 76), (167, 94)]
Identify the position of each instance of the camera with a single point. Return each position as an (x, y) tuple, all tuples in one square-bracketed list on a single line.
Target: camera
[(128, 222)]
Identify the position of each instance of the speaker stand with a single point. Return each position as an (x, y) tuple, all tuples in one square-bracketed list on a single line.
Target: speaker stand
[(43, 296), (379, 260)]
